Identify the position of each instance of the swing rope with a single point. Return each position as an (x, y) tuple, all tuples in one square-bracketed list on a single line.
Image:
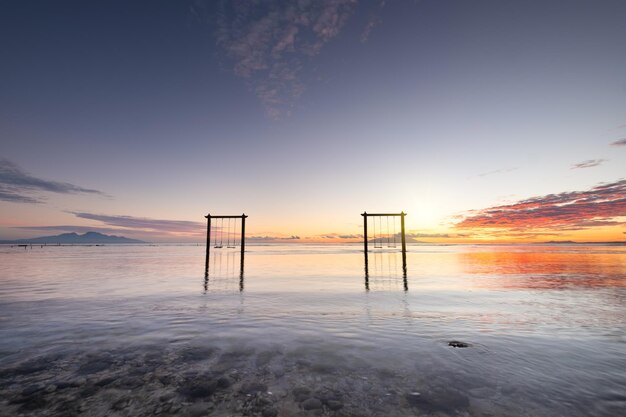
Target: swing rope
[(217, 244), (373, 221), (394, 233), (229, 245), (374, 229), (388, 244), (234, 233), (221, 234)]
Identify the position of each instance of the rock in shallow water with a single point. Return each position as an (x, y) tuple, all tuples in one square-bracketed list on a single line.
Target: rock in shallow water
[(334, 405), (311, 404), (197, 387), (224, 382)]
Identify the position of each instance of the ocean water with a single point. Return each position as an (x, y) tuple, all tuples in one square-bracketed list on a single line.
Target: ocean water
[(308, 330)]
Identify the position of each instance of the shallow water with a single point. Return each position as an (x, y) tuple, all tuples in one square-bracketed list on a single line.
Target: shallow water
[(306, 330)]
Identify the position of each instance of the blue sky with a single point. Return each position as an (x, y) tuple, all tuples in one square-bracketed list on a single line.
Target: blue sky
[(304, 114)]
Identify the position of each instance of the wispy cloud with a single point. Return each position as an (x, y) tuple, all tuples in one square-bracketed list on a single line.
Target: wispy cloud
[(373, 21), (577, 210), (588, 163), (144, 224), (16, 185), (498, 171), (619, 142), (429, 235), (267, 238), (270, 41), (339, 236), (14, 195)]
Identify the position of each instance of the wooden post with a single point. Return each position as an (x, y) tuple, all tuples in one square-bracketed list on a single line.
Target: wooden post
[(365, 250), (243, 248), (402, 214), (365, 232), (243, 234), (208, 244)]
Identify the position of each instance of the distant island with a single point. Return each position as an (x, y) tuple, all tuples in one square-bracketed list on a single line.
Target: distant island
[(74, 239), (571, 242)]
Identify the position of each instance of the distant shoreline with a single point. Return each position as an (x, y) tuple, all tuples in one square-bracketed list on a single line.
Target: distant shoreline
[(53, 244)]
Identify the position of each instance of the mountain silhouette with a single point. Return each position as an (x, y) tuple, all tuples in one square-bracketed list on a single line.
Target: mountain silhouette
[(74, 238)]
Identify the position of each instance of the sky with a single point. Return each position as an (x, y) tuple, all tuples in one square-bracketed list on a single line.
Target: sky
[(484, 121)]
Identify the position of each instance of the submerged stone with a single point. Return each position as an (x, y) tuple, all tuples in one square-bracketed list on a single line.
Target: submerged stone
[(224, 382), (301, 390), (301, 393), (197, 387), (457, 344), (334, 405), (311, 404)]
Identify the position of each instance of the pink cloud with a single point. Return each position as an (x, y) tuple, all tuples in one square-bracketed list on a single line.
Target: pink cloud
[(576, 210)]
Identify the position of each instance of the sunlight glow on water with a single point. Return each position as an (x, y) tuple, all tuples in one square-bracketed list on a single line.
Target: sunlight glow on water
[(546, 324)]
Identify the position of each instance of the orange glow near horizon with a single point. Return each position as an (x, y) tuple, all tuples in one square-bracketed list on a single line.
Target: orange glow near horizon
[(594, 215)]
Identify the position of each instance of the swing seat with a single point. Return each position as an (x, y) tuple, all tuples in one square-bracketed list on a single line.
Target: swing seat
[(218, 246), (230, 247)]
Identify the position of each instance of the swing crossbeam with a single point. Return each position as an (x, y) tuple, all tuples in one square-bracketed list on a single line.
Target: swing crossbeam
[(382, 214)]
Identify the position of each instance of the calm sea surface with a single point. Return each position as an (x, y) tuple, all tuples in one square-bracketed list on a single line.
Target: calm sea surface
[(306, 330)]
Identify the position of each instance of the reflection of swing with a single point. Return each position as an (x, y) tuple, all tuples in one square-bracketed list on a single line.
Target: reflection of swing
[(228, 244), (219, 245)]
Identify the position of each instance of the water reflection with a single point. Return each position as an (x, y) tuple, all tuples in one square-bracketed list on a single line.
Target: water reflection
[(305, 320), (225, 273), (385, 271), (543, 270)]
